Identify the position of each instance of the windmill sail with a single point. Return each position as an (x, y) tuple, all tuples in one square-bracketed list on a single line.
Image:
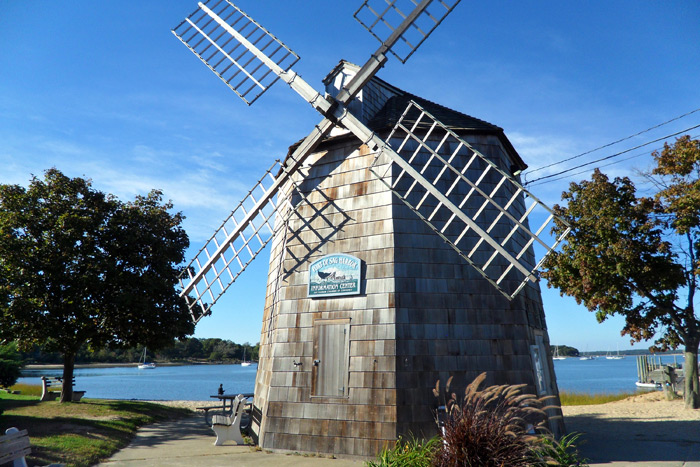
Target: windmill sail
[(468, 199), (474, 205), (235, 244), (382, 18), (249, 59), (455, 203), (221, 35)]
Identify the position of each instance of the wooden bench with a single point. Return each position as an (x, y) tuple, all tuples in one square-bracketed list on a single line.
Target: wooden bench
[(14, 445), (47, 394), (215, 410), (211, 410), (228, 427)]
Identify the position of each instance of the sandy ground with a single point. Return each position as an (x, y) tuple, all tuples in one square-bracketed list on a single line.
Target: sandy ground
[(642, 428), (192, 405)]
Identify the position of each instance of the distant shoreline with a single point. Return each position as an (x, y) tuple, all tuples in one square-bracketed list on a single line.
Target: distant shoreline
[(58, 366)]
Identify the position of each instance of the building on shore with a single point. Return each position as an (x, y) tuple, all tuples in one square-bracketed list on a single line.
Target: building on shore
[(366, 307)]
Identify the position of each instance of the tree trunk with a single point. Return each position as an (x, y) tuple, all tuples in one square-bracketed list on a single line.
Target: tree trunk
[(67, 387), (690, 370)]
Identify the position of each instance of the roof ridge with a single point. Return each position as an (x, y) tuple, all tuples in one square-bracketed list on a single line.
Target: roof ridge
[(417, 99)]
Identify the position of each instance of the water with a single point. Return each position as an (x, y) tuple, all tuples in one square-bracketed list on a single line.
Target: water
[(198, 382), (601, 375), (188, 382)]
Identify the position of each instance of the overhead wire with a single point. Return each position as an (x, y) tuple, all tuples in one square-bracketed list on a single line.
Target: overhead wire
[(645, 153), (617, 154), (586, 170), (613, 143)]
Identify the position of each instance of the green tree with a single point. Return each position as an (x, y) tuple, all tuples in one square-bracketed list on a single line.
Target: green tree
[(193, 348), (80, 267), (638, 256), (10, 365), (566, 351)]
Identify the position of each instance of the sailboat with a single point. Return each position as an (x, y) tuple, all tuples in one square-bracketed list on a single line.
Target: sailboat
[(615, 357), (556, 354), (143, 365), (586, 357), (244, 362)]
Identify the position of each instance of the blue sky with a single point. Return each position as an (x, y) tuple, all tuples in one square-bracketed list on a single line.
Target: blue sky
[(104, 90)]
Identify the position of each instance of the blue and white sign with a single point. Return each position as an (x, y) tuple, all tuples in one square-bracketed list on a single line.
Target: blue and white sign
[(334, 275)]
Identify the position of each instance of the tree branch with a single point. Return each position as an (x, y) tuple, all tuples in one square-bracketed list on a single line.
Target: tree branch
[(673, 311)]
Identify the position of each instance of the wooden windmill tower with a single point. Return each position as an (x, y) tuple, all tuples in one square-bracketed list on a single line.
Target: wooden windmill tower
[(401, 253)]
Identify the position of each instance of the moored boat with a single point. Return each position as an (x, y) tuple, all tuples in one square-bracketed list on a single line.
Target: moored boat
[(610, 356), (649, 385), (244, 362), (556, 355), (143, 364)]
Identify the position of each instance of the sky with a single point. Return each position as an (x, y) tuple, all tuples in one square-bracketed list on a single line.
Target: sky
[(103, 90)]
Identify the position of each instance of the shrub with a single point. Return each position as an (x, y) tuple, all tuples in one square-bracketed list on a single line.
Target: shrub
[(10, 365), (497, 426), (561, 453), (413, 453)]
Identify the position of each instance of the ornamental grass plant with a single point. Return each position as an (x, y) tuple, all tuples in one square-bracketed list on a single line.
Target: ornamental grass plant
[(497, 426)]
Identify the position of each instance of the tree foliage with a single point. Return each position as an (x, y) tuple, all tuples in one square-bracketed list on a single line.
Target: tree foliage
[(81, 267), (192, 349), (10, 365), (566, 351), (637, 256)]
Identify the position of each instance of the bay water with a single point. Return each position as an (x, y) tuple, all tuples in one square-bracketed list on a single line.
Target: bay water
[(199, 382), (182, 382)]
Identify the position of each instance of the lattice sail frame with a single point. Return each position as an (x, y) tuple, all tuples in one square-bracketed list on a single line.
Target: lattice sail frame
[(235, 244), (230, 58), (495, 237), (381, 19), (200, 33)]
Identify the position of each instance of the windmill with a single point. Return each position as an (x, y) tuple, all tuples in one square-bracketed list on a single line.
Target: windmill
[(458, 194)]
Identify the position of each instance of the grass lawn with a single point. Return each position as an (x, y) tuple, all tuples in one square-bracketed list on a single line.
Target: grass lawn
[(79, 433), (582, 398)]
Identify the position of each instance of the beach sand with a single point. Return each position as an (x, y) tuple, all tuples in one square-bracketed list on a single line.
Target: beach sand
[(643, 428), (191, 405)]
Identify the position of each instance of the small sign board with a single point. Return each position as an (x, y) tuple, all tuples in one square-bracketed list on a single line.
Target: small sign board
[(334, 275)]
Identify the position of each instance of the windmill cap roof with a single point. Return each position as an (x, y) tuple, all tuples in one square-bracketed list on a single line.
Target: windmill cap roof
[(397, 100), (394, 108)]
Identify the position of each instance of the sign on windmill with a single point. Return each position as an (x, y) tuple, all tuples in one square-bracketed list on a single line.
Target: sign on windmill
[(335, 275), (429, 216)]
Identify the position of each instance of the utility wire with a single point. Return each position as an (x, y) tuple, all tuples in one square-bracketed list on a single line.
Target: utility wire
[(610, 156), (614, 142), (645, 153), (586, 170)]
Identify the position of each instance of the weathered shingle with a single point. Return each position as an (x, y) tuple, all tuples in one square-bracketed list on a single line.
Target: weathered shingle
[(395, 107)]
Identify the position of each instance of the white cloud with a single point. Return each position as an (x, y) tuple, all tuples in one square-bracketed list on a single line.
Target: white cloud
[(62, 148), (541, 150)]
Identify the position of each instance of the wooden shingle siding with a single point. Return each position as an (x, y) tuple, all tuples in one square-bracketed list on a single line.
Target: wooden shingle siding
[(423, 313)]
